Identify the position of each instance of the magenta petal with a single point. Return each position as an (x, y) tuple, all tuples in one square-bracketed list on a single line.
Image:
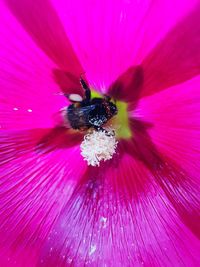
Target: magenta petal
[(104, 225), (42, 23), (176, 58), (111, 36), (173, 116), (128, 85), (38, 175), (29, 96), (173, 119), (38, 141)]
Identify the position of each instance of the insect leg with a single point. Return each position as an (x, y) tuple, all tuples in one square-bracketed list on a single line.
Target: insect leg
[(86, 88)]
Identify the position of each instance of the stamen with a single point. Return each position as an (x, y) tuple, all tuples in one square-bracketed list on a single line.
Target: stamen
[(98, 145)]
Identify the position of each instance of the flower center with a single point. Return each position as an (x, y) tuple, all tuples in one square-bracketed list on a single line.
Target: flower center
[(101, 145), (103, 120)]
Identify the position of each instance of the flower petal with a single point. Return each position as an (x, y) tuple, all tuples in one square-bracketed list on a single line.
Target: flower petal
[(174, 60), (128, 85), (43, 25), (175, 129), (38, 175), (177, 57), (32, 59), (174, 124), (109, 37), (122, 214)]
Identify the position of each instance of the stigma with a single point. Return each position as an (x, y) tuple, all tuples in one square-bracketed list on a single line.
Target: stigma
[(98, 146)]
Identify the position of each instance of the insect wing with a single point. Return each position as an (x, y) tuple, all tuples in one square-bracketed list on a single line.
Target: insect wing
[(87, 109), (84, 111)]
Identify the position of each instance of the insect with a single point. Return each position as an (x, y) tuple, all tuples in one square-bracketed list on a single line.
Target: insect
[(87, 112)]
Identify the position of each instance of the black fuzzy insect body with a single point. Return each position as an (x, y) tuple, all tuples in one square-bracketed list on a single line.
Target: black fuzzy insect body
[(89, 112)]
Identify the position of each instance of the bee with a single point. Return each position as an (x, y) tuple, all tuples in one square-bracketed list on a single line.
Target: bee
[(85, 113)]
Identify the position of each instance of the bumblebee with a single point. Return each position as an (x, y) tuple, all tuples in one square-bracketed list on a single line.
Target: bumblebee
[(85, 113)]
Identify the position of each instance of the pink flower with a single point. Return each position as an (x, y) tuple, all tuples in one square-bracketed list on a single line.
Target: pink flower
[(141, 208)]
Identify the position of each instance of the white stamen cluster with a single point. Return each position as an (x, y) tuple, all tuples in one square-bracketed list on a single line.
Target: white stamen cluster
[(98, 145)]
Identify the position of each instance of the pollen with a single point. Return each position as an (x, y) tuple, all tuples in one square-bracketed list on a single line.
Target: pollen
[(98, 146)]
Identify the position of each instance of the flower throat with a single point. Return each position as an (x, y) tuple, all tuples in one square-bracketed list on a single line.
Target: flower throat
[(104, 121)]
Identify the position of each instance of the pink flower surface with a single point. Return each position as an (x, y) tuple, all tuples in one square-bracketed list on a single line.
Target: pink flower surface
[(142, 207)]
